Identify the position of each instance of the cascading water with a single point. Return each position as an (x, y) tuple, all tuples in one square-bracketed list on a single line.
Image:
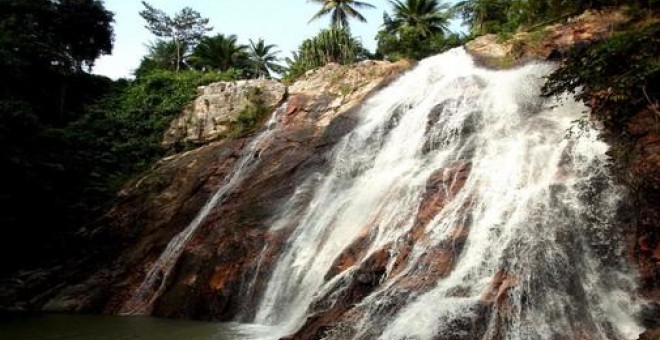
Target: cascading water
[(154, 283), (540, 255)]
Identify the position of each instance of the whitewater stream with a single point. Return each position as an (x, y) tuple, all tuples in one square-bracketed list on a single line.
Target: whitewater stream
[(152, 286), (538, 208), (529, 221)]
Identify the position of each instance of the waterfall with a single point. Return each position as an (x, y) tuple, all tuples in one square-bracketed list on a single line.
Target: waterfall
[(155, 281), (526, 243)]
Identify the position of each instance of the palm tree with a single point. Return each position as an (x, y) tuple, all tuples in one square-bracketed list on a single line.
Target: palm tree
[(263, 59), (220, 53), (481, 14), (341, 10), (333, 45), (422, 17), (164, 55)]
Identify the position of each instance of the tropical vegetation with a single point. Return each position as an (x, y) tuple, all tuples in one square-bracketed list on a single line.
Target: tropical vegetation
[(417, 29), (219, 53), (340, 11), (263, 59), (185, 29), (332, 45), (506, 16)]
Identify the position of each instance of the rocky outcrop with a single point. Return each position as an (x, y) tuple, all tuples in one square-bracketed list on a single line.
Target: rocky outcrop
[(636, 151), (546, 42), (230, 255), (218, 105), (367, 271), (635, 146)]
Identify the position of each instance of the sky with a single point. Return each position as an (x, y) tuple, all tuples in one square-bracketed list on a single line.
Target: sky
[(280, 22)]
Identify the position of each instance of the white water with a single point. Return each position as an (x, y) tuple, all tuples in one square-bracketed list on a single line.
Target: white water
[(155, 281), (537, 206)]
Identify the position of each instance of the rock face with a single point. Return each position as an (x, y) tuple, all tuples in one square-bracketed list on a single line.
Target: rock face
[(226, 262), (220, 104), (343, 303), (637, 152), (636, 147), (221, 264), (546, 42)]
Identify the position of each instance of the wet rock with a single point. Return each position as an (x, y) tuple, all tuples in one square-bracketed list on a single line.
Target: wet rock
[(441, 187), (328, 312), (229, 258), (335, 311), (501, 284)]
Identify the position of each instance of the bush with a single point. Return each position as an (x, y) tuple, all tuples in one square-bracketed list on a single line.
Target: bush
[(617, 76), (70, 170), (333, 45), (408, 45), (250, 117)]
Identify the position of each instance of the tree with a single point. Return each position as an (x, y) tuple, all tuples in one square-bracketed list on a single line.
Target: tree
[(86, 30), (483, 16), (185, 29), (65, 35), (220, 53), (45, 46), (162, 55), (417, 30), (263, 59), (341, 11), (422, 17), (333, 45)]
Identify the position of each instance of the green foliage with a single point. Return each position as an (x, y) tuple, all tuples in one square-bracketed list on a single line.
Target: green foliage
[(263, 59), (507, 16), (70, 172), (44, 48), (185, 29), (416, 30), (340, 11), (617, 76), (406, 44), (220, 53), (131, 122), (255, 112), (162, 55), (419, 18), (483, 16), (63, 36), (333, 45)]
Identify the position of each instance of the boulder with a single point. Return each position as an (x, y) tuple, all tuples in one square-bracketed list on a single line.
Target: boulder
[(220, 104)]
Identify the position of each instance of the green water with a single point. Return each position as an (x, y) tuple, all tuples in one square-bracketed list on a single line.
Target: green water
[(76, 327)]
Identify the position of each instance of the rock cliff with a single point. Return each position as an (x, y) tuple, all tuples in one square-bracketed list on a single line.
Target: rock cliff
[(546, 42), (635, 146), (218, 105), (224, 262), (219, 263)]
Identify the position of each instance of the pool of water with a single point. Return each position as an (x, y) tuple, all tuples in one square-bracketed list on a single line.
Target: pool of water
[(77, 327)]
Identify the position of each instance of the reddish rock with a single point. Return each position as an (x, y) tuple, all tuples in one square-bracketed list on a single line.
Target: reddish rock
[(326, 314), (546, 43), (637, 156), (225, 265), (499, 288), (441, 187)]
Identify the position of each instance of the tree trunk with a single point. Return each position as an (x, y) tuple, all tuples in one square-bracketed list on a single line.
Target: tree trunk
[(178, 53)]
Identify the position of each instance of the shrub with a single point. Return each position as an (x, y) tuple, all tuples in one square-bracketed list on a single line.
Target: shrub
[(333, 45), (616, 77)]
